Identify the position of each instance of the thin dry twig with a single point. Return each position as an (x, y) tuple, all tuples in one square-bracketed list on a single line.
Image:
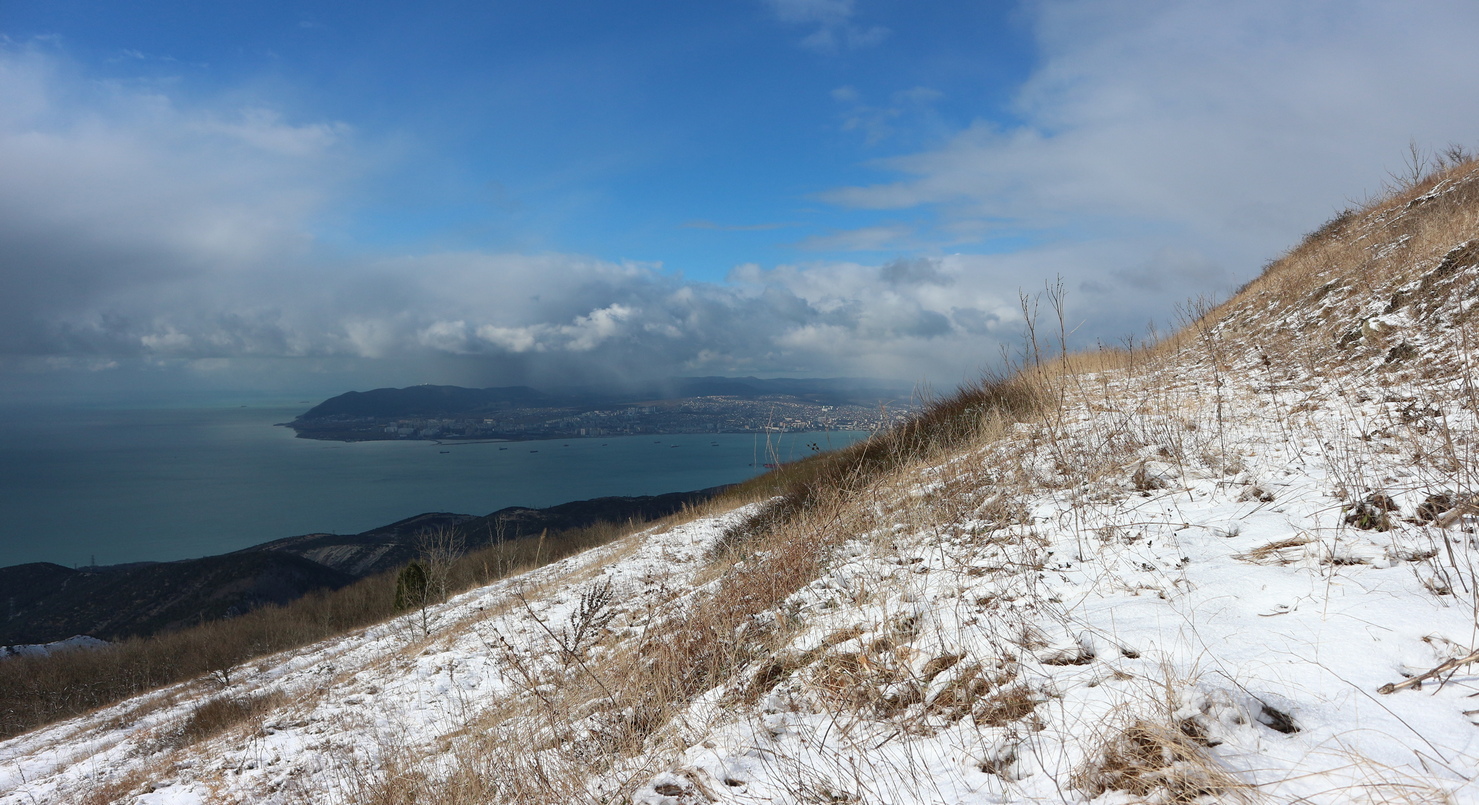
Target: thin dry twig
[(1417, 681)]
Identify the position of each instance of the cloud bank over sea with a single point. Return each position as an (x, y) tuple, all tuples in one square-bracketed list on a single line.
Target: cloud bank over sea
[(1154, 152)]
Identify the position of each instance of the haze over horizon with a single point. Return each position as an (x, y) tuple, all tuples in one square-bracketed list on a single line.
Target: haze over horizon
[(310, 198)]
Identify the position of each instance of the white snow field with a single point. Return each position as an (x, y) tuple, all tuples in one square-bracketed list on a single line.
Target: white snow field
[(1239, 567)]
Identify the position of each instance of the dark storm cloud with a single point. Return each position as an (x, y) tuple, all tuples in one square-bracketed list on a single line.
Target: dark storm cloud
[(111, 198), (133, 229)]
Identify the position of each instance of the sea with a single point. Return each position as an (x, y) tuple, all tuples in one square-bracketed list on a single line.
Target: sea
[(91, 486)]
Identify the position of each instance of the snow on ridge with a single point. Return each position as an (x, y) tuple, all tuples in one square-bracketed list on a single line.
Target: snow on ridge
[(42, 649), (1230, 600), (994, 623)]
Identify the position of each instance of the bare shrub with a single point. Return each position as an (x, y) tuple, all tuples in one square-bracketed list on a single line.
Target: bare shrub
[(219, 714)]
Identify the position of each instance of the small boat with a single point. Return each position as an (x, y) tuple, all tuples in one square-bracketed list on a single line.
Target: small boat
[(444, 452)]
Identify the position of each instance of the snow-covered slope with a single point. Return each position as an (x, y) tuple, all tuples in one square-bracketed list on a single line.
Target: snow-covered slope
[(1215, 572)]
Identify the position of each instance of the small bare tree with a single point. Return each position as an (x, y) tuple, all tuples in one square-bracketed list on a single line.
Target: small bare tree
[(439, 549), (427, 580), (1415, 165), (1453, 155), (1419, 162), (413, 592)]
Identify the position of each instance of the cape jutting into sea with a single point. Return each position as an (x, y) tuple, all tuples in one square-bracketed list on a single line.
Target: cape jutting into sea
[(89, 486)]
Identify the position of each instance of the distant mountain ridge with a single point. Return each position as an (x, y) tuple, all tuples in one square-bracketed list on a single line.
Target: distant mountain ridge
[(45, 602), (391, 546), (41, 602), (425, 401)]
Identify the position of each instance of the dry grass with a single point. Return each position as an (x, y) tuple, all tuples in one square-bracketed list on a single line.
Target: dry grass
[(1160, 763), (707, 646), (1396, 253), (577, 717), (943, 425), (115, 789), (1278, 552)]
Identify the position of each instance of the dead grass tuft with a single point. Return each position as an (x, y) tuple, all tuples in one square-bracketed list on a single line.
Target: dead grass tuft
[(1279, 552), (771, 673), (1006, 706), (1161, 764)]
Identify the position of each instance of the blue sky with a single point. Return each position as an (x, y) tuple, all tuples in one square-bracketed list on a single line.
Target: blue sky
[(695, 135), (320, 196)]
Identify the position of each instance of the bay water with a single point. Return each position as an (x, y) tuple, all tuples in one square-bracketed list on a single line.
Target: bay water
[(101, 486)]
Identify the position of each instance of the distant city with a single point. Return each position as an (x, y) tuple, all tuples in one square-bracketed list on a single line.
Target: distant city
[(389, 418)]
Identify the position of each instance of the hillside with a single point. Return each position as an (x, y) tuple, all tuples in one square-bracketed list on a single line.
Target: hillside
[(1238, 566), (45, 602), (56, 603), (390, 547)]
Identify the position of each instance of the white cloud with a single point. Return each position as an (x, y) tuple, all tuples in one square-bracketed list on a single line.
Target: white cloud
[(557, 318), (824, 12), (509, 339), (877, 123), (263, 130), (834, 20), (701, 224), (444, 336), (862, 239), (1201, 138)]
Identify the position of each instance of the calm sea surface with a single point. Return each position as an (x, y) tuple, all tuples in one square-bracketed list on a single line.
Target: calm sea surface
[(110, 486)]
